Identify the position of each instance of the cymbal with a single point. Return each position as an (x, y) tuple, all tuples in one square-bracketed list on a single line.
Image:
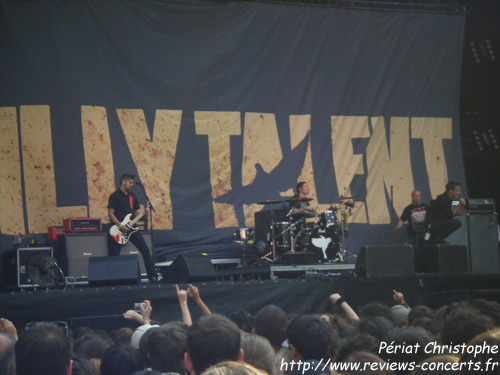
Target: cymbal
[(299, 199), (269, 201)]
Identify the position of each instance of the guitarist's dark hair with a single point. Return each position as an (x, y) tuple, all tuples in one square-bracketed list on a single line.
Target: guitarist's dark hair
[(126, 176)]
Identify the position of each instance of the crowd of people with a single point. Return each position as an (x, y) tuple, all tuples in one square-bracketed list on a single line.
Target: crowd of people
[(461, 338)]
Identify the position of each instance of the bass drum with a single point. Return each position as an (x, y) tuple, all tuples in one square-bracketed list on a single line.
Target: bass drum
[(323, 242)]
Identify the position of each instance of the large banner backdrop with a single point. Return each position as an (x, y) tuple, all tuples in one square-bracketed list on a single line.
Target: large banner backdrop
[(216, 106)]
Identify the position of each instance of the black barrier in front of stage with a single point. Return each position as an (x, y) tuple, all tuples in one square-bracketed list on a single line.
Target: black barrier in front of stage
[(293, 295), (384, 260)]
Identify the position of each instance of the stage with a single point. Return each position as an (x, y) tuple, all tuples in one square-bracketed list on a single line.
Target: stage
[(101, 307)]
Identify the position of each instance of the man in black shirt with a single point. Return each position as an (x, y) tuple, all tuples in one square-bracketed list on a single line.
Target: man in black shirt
[(300, 203), (440, 214), (121, 203), (414, 214)]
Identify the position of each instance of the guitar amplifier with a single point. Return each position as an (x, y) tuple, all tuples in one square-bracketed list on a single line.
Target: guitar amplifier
[(486, 205), (82, 224)]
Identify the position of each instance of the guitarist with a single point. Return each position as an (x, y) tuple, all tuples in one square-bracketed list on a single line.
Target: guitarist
[(121, 203)]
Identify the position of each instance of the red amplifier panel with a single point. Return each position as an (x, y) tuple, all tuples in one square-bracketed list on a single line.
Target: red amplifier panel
[(54, 232), (82, 224)]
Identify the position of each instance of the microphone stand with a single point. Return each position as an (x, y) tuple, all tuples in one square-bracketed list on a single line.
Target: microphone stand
[(152, 209)]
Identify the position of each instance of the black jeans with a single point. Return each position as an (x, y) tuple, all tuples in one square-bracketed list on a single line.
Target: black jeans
[(443, 228), (138, 240)]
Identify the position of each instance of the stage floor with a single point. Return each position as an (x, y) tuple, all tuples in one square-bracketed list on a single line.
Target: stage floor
[(102, 307)]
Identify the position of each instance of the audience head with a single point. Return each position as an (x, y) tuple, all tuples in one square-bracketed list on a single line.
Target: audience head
[(212, 339), (92, 346), (358, 342), (7, 358), (81, 366), (165, 348), (335, 321), (258, 352), (233, 368), (420, 311), (464, 323), (432, 326), (399, 315), (483, 361), (122, 335), (376, 308), (43, 349), (309, 337), (271, 322), (243, 319), (408, 337), (121, 359), (490, 308), (377, 326)]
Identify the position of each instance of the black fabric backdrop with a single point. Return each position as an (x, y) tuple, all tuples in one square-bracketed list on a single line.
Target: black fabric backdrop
[(237, 57)]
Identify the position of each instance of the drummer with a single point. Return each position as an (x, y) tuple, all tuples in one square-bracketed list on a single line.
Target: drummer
[(299, 204)]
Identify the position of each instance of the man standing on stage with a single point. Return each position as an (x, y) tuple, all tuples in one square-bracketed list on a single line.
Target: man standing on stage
[(300, 203), (121, 203), (440, 213), (414, 214)]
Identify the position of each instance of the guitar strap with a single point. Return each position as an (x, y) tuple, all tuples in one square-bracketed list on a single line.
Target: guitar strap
[(131, 200)]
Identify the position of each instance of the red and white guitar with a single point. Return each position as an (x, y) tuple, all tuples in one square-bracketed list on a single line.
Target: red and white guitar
[(118, 235)]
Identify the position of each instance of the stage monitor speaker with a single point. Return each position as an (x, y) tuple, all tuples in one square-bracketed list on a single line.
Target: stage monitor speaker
[(130, 249), (80, 247), (384, 260), (483, 243), (113, 270), (190, 268), (23, 254), (442, 259)]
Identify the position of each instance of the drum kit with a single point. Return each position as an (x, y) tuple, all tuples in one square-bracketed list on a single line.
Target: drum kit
[(321, 235)]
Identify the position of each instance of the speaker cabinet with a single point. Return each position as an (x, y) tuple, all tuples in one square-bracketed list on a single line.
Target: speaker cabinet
[(461, 235), (483, 243), (384, 260), (80, 247), (113, 270), (186, 269), (23, 254), (130, 249), (442, 259)]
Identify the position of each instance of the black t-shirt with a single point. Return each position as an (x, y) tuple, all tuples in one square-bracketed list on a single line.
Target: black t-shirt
[(415, 214), (440, 208), (120, 202)]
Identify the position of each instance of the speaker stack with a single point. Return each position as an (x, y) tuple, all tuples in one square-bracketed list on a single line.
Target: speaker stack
[(479, 234), (80, 247)]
